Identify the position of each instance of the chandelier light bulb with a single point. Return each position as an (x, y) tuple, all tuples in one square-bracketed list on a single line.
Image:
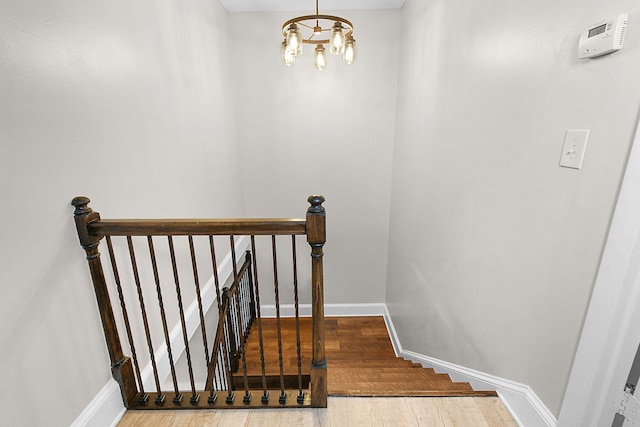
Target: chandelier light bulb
[(288, 58), (294, 40), (320, 58), (337, 40), (349, 55)]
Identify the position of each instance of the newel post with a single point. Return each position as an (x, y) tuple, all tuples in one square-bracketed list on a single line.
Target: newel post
[(316, 237), (121, 367)]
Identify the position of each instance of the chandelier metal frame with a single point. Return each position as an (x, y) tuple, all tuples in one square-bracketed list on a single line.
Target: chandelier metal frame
[(309, 29), (302, 21)]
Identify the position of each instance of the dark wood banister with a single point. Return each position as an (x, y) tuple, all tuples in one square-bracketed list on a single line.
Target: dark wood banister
[(198, 227), (91, 229)]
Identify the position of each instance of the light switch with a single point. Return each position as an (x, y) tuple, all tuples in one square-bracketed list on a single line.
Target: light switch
[(575, 145)]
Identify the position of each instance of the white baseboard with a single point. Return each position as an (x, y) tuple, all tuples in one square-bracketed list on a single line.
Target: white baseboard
[(520, 400), (107, 408), (330, 310), (395, 341)]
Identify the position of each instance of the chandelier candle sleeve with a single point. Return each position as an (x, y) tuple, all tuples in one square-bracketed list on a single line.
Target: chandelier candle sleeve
[(320, 59), (294, 40), (349, 55), (319, 30), (337, 39), (288, 57)]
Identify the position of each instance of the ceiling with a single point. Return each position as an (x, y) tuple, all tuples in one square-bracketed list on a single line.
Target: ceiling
[(307, 5)]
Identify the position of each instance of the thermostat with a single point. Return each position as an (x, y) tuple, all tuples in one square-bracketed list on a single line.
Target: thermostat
[(603, 37)]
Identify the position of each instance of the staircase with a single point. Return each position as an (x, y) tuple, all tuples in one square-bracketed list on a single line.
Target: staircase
[(361, 360)]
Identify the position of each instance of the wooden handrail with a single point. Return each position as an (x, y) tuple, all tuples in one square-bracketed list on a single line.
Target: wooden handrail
[(198, 227)]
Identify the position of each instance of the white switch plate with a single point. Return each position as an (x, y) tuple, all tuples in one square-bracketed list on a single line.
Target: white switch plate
[(575, 145)]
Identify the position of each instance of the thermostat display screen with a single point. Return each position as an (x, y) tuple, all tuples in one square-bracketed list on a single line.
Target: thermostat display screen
[(597, 30)]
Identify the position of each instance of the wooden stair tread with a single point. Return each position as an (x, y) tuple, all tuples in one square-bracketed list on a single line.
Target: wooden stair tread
[(413, 393), (385, 386), (389, 379), (273, 367), (389, 363), (408, 372), (400, 378), (360, 359)]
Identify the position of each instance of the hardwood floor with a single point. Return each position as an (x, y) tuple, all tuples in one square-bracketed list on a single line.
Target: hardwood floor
[(343, 412), (361, 365)]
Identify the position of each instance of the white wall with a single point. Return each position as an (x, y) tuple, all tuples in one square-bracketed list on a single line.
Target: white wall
[(302, 132), (127, 103), (493, 247)]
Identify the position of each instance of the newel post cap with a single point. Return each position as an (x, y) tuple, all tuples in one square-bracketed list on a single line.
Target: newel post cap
[(316, 202), (80, 203)]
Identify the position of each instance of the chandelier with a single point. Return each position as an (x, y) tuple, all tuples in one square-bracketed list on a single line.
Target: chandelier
[(313, 30)]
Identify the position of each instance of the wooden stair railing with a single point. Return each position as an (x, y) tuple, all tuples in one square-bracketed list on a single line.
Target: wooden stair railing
[(238, 308)]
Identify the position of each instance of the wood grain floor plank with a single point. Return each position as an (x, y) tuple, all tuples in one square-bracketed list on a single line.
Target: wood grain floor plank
[(495, 413), (343, 412), (274, 418), (153, 419)]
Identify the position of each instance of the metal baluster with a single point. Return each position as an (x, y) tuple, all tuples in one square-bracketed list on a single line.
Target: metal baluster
[(239, 303), (244, 306), (160, 398), (177, 399), (247, 298), (196, 281), (220, 372), (144, 397), (194, 395), (214, 264), (252, 295), (227, 358), (231, 329), (217, 375), (283, 397), (300, 398), (220, 369), (247, 395), (217, 367), (265, 392), (232, 243)]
